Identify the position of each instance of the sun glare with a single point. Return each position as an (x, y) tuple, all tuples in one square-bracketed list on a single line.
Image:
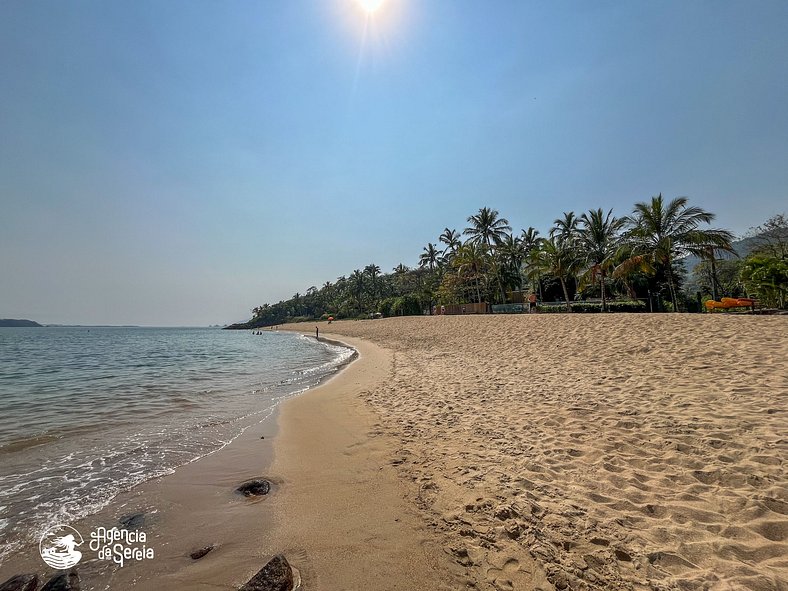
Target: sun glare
[(370, 6)]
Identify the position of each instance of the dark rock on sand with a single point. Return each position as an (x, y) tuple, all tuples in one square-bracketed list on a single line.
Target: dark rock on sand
[(274, 576), (20, 583), (254, 488), (197, 554), (132, 520), (65, 582)]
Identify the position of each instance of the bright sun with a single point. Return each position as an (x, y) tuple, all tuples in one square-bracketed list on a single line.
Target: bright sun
[(370, 6)]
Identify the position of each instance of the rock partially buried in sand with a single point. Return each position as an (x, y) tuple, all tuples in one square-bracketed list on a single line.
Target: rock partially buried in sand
[(274, 576), (132, 520), (254, 488), (20, 583), (65, 582), (197, 554)]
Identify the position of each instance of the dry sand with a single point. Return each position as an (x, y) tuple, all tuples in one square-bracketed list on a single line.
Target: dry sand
[(567, 451)]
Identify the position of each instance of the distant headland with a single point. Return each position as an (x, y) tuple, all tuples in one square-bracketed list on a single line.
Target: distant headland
[(12, 322)]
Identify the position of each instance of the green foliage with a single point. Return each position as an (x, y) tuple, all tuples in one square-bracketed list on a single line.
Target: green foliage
[(559, 258), (631, 306), (407, 305), (766, 278), (599, 239), (771, 238), (385, 305), (591, 307), (659, 233), (725, 273), (595, 254), (299, 319), (486, 227)]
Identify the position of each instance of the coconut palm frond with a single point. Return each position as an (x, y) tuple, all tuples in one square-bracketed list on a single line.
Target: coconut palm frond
[(634, 264)]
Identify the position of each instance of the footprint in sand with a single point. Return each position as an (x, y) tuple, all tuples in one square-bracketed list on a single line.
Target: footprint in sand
[(499, 576)]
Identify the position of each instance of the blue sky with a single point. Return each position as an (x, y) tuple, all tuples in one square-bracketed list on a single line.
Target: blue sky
[(180, 162)]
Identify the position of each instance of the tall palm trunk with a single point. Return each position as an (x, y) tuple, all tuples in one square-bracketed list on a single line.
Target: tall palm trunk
[(671, 285), (672, 288), (602, 280), (566, 295)]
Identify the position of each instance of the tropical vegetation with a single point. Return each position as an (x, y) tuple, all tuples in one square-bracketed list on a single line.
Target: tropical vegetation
[(663, 256)]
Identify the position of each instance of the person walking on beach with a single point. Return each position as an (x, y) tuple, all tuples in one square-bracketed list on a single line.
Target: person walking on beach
[(317, 333)]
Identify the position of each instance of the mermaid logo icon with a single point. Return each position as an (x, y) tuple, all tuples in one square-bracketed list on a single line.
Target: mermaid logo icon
[(58, 547)]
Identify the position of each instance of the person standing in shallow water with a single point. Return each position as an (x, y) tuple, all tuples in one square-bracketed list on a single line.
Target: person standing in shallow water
[(317, 333)]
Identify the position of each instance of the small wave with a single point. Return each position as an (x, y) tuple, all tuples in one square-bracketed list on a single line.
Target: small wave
[(75, 476), (26, 443), (341, 356), (23, 443)]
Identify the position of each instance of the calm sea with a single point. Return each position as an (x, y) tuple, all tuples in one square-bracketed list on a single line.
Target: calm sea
[(86, 413)]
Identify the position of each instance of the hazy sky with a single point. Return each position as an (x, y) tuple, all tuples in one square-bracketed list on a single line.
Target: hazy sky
[(178, 163)]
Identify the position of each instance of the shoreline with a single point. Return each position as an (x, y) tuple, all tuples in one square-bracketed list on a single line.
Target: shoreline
[(347, 516), (197, 506), (193, 506)]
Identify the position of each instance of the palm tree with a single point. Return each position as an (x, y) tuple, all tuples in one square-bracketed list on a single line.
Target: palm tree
[(357, 286), (661, 233), (430, 257), (511, 254), (400, 278), (530, 239), (531, 242), (599, 242), (373, 271), (470, 263), (558, 258), (487, 228), (451, 238), (565, 228)]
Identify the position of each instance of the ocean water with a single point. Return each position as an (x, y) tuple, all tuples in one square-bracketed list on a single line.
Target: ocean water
[(86, 413)]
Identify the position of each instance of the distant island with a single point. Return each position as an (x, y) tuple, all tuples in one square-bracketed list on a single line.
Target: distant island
[(12, 322)]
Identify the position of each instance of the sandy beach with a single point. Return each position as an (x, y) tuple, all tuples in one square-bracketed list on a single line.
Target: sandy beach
[(498, 452), (586, 452)]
